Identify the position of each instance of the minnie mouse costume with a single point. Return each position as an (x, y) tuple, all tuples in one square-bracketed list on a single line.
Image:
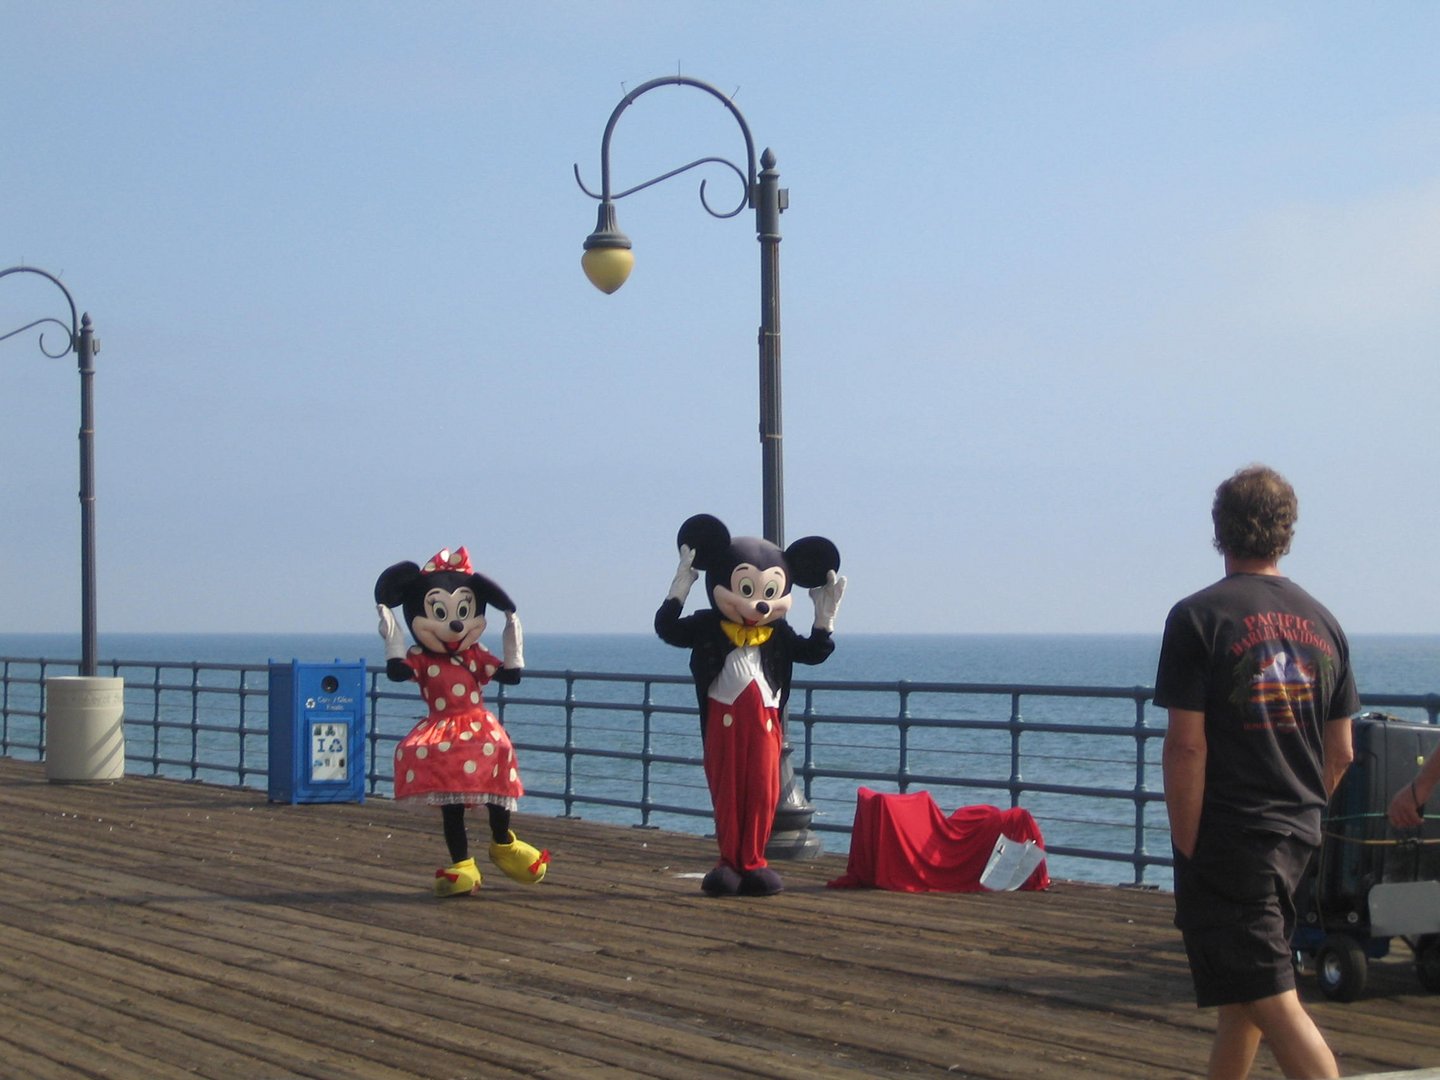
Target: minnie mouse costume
[(459, 755)]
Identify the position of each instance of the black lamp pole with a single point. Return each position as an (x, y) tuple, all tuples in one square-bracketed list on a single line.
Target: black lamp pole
[(607, 262), (80, 339)]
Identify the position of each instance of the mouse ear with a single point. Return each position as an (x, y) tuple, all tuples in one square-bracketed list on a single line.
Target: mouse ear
[(395, 582), (811, 559), (487, 592), (707, 536)]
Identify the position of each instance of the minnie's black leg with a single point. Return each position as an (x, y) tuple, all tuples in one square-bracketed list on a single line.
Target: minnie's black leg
[(499, 823), (452, 818)]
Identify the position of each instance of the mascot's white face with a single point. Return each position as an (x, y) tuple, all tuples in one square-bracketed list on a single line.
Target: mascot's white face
[(754, 597), (450, 622)]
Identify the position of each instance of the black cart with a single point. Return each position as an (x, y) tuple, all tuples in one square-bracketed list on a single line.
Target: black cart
[(1370, 882)]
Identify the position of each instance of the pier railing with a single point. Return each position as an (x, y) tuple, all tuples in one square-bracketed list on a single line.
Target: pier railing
[(625, 749)]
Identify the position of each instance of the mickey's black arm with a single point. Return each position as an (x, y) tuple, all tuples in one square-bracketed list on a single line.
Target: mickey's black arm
[(815, 649), (671, 628)]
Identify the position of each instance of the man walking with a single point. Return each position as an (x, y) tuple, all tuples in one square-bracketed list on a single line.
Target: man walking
[(1255, 674)]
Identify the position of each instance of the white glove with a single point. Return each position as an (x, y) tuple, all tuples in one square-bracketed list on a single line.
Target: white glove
[(514, 642), (827, 601), (391, 632), (685, 575)]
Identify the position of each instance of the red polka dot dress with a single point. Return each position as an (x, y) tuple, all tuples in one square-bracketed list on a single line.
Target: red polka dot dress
[(459, 753)]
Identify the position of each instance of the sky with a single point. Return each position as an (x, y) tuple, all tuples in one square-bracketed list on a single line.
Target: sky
[(1049, 273)]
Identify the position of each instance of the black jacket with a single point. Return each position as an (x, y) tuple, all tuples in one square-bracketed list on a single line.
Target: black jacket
[(708, 645)]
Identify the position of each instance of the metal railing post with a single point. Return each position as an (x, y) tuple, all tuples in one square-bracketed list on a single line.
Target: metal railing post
[(807, 766), (1016, 775), (646, 753), (569, 744), (902, 744), (1138, 864)]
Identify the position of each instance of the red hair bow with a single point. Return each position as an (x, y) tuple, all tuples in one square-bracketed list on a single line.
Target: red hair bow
[(445, 559)]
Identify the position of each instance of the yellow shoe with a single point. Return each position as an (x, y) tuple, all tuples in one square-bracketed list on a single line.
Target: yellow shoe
[(460, 879), (520, 861)]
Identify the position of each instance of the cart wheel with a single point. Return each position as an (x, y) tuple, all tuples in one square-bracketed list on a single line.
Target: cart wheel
[(1427, 962), (1340, 967)]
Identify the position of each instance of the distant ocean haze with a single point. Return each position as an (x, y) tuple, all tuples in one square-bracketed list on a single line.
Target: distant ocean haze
[(1388, 664)]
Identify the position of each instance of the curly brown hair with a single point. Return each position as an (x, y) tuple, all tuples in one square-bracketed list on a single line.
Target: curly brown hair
[(1254, 514)]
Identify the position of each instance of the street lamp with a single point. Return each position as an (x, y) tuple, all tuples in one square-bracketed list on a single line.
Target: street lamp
[(607, 262), (80, 339), (608, 259)]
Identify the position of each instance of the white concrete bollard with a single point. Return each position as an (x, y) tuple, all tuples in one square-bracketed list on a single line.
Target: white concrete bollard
[(84, 728)]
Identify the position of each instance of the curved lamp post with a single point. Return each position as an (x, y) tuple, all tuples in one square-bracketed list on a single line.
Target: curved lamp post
[(79, 339), (607, 262)]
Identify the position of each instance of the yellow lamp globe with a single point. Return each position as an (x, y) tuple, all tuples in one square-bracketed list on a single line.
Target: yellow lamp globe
[(607, 267)]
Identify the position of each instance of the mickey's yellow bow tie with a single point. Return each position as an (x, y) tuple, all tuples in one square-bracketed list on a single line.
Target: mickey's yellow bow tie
[(746, 635)]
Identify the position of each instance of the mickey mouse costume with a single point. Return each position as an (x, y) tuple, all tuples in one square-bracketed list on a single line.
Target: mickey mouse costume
[(459, 755), (742, 653)]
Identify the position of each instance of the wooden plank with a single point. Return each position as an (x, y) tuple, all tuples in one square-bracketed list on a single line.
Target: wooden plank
[(191, 927)]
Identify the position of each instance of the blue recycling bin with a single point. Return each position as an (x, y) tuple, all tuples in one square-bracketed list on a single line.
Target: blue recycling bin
[(317, 732)]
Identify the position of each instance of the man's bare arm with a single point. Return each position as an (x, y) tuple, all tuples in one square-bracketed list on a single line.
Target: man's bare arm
[(1183, 761)]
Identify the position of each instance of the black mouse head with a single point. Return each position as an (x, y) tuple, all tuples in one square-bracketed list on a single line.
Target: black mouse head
[(443, 601), (747, 579)]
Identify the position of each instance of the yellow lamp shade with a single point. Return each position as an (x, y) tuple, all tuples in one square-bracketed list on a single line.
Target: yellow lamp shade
[(607, 267)]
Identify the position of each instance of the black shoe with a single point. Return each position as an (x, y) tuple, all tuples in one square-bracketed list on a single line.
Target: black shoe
[(762, 882), (721, 881)]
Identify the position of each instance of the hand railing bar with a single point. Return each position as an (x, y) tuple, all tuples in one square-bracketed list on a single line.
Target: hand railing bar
[(631, 707), (1428, 702), (957, 724), (601, 800), (992, 783), (187, 763), (601, 753), (1105, 856), (567, 675), (969, 689), (194, 690), (121, 666), (1108, 825), (187, 727)]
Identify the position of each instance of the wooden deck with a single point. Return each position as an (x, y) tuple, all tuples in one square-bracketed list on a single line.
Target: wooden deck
[(155, 929)]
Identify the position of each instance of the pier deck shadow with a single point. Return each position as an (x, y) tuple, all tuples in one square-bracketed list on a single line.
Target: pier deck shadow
[(155, 929)]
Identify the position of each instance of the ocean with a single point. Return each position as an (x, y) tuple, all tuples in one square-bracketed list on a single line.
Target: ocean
[(1384, 663)]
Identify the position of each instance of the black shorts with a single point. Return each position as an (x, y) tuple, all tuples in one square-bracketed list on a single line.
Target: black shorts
[(1235, 908)]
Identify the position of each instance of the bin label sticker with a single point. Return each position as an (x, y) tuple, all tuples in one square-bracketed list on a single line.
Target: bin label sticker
[(329, 752)]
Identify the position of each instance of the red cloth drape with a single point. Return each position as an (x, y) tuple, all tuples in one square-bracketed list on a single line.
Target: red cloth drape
[(905, 843)]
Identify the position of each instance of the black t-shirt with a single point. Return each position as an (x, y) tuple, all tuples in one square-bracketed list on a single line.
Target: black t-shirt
[(1268, 665)]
